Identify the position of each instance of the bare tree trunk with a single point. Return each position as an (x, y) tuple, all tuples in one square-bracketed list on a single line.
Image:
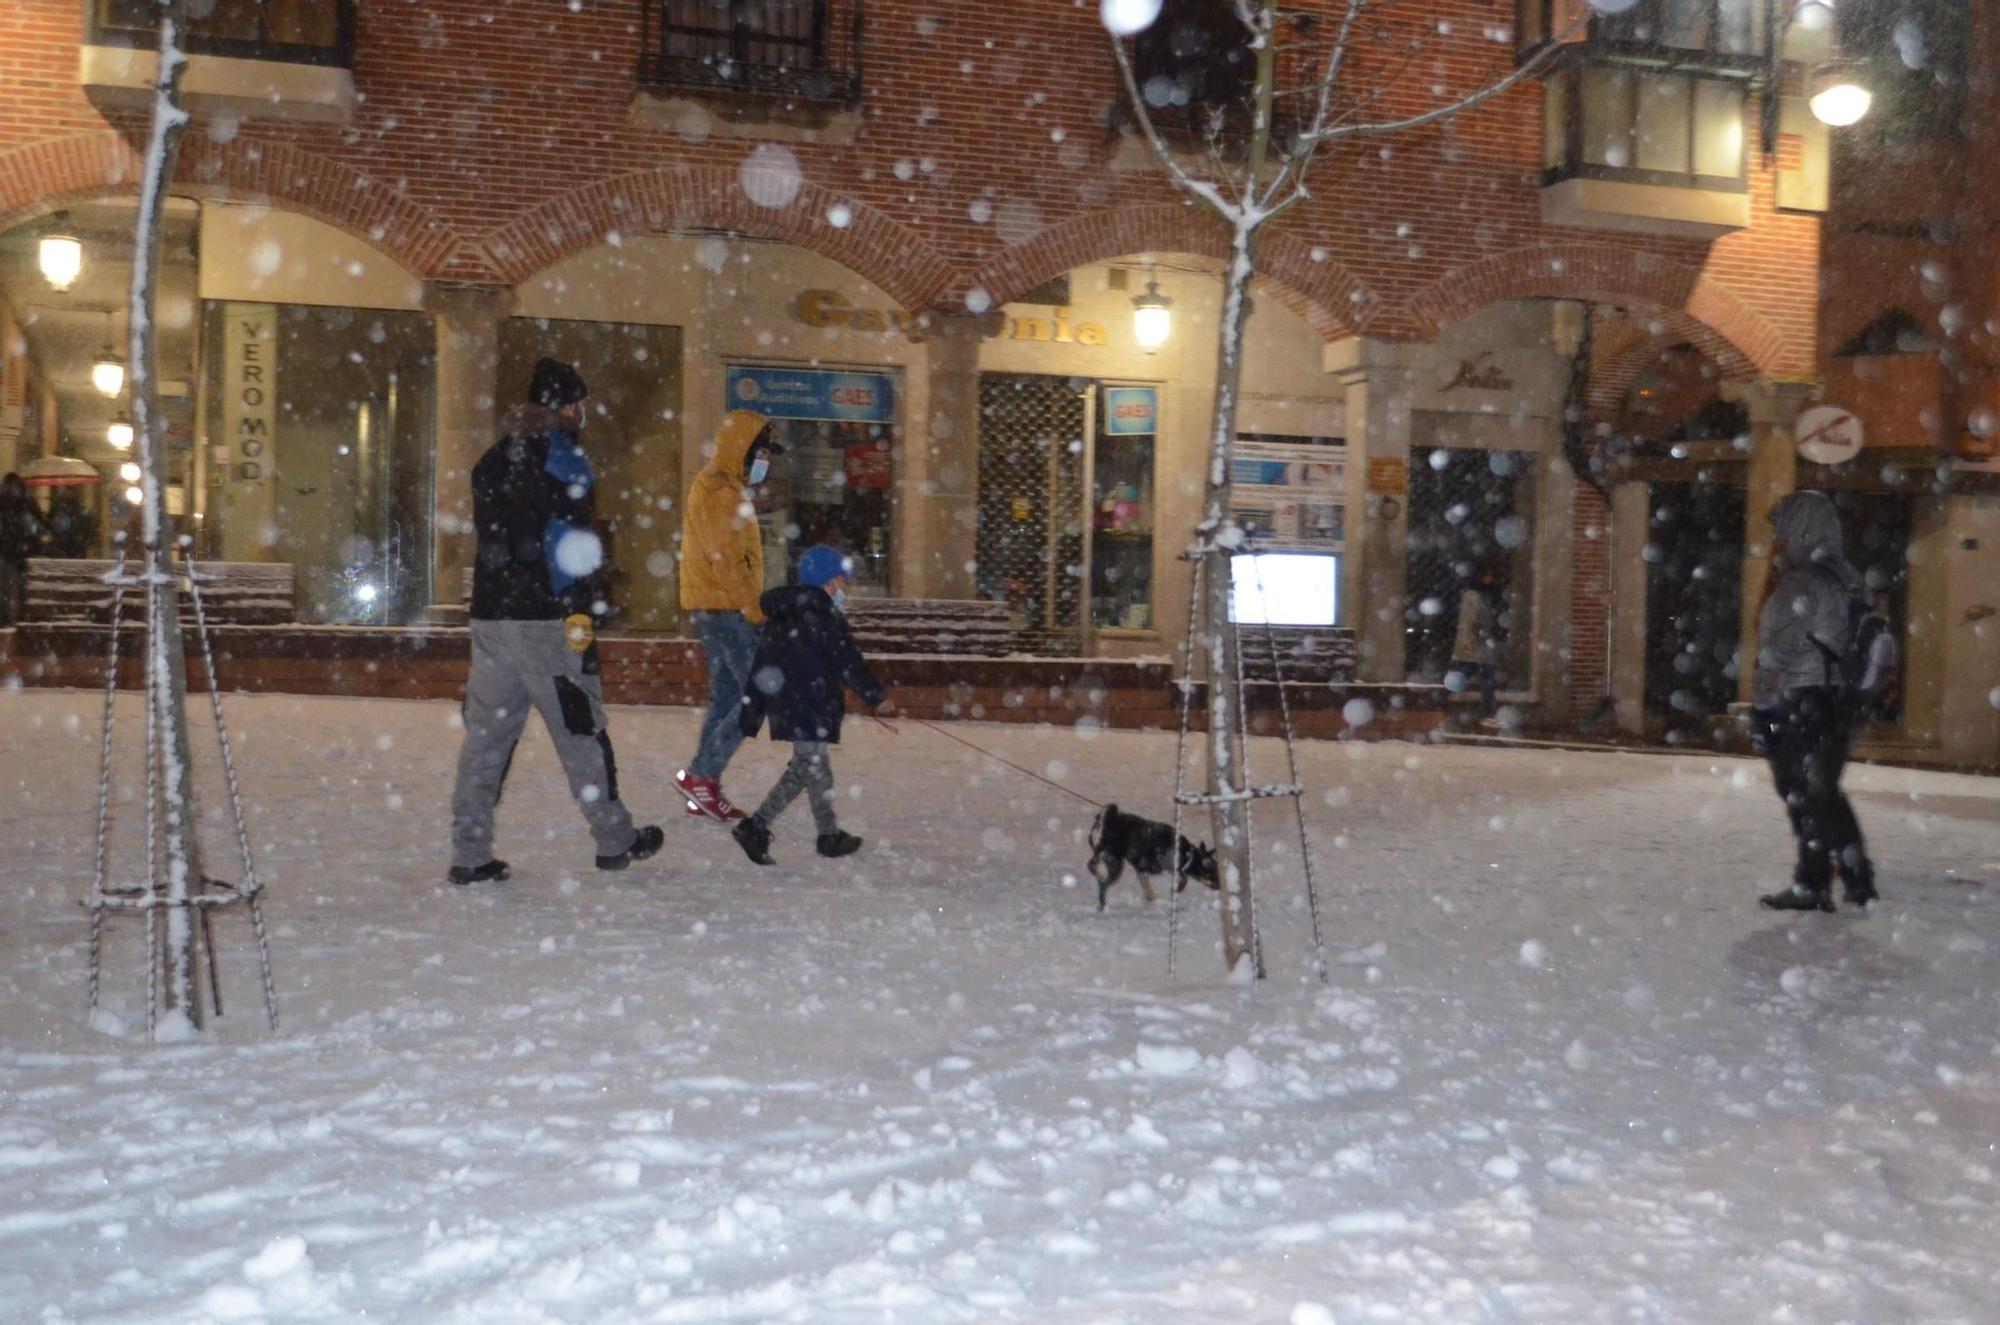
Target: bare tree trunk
[(1242, 196), (168, 695), (1230, 814)]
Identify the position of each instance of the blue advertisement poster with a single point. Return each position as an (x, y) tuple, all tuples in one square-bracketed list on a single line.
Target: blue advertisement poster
[(1131, 411), (808, 393)]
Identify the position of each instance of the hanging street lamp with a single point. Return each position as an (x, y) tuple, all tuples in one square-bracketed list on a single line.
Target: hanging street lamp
[(1152, 323), (1835, 99), (61, 260)]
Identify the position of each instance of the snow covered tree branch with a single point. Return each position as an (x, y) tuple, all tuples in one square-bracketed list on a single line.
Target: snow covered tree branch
[(1248, 189)]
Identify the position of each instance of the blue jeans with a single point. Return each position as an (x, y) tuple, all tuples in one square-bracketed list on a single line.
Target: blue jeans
[(729, 642)]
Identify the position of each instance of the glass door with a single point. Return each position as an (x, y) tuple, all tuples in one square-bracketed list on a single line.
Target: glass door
[(1123, 507)]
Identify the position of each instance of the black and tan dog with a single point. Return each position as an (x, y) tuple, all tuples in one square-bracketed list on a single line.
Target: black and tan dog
[(1118, 839)]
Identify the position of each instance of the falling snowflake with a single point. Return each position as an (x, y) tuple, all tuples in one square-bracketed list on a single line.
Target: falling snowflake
[(771, 175), (1122, 18)]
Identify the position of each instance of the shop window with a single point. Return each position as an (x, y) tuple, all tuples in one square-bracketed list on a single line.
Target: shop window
[(834, 482), (1284, 589), (1030, 542), (290, 31), (633, 438), (1122, 508), (1877, 528), (1615, 121), (319, 425), (1694, 605), (1289, 493), (1471, 523)]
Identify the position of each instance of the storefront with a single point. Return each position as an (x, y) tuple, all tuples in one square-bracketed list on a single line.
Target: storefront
[(295, 377), (737, 323), (835, 481), (1094, 452), (1063, 482), (1459, 446)]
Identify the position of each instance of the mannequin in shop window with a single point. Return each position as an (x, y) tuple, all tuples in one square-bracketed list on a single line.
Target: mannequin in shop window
[(1475, 648)]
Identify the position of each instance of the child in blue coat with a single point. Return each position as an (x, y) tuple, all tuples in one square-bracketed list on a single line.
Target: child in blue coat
[(805, 662)]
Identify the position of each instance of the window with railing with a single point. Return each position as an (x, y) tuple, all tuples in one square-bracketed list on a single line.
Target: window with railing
[(807, 50), (1650, 126), (291, 31), (1721, 34), (1197, 73), (1724, 31)]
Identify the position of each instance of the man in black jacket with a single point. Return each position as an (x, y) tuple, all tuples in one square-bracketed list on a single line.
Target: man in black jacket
[(534, 604)]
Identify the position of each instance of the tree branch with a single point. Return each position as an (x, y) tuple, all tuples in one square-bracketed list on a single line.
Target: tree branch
[(1247, 14), (1463, 104)]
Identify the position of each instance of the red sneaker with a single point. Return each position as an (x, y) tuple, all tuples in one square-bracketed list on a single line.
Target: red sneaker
[(705, 798)]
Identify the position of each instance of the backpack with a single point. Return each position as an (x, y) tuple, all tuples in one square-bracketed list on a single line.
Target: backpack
[(1866, 670)]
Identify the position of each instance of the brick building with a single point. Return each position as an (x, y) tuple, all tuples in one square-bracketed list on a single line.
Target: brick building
[(916, 235)]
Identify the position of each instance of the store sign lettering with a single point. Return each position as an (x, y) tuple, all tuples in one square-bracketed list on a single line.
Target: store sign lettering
[(811, 393), (1478, 375), (249, 388), (1134, 410), (827, 308)]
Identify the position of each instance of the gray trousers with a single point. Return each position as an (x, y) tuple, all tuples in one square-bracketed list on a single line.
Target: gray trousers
[(518, 666), (810, 771)]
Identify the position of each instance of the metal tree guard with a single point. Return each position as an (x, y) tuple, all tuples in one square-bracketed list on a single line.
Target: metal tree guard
[(1204, 558), (152, 894)]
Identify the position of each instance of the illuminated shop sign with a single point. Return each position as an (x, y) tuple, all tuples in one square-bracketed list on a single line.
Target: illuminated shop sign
[(1131, 411), (793, 393)]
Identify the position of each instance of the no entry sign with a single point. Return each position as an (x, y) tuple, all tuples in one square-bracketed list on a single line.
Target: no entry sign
[(1828, 435)]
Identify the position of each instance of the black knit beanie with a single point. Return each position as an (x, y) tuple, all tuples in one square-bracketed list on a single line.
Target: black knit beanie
[(556, 384)]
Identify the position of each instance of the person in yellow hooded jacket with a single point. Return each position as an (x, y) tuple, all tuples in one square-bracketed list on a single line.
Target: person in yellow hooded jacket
[(722, 577)]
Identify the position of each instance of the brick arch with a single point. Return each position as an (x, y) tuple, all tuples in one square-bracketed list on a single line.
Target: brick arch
[(1690, 303), (872, 244), (1330, 297), (104, 163), (1616, 372)]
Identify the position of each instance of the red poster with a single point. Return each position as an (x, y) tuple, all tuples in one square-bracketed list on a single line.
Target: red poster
[(868, 466)]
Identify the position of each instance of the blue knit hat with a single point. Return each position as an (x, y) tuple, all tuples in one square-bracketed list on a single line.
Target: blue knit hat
[(820, 564)]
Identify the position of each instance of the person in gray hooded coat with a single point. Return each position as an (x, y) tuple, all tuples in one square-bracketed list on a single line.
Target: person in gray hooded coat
[(1804, 722)]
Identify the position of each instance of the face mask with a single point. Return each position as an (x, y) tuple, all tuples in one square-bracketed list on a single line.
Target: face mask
[(759, 468), (839, 599)]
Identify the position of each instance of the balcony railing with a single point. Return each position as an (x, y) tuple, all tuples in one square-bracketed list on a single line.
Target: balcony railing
[(794, 50), (317, 32), (1718, 38), (1197, 74)]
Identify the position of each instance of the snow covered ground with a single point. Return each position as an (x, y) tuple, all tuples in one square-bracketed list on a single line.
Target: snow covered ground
[(1565, 1070)]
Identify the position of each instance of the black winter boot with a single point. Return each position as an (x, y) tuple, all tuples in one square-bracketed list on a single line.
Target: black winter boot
[(1799, 897), (491, 871), (1859, 892), (647, 844), (755, 839), (839, 842)]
